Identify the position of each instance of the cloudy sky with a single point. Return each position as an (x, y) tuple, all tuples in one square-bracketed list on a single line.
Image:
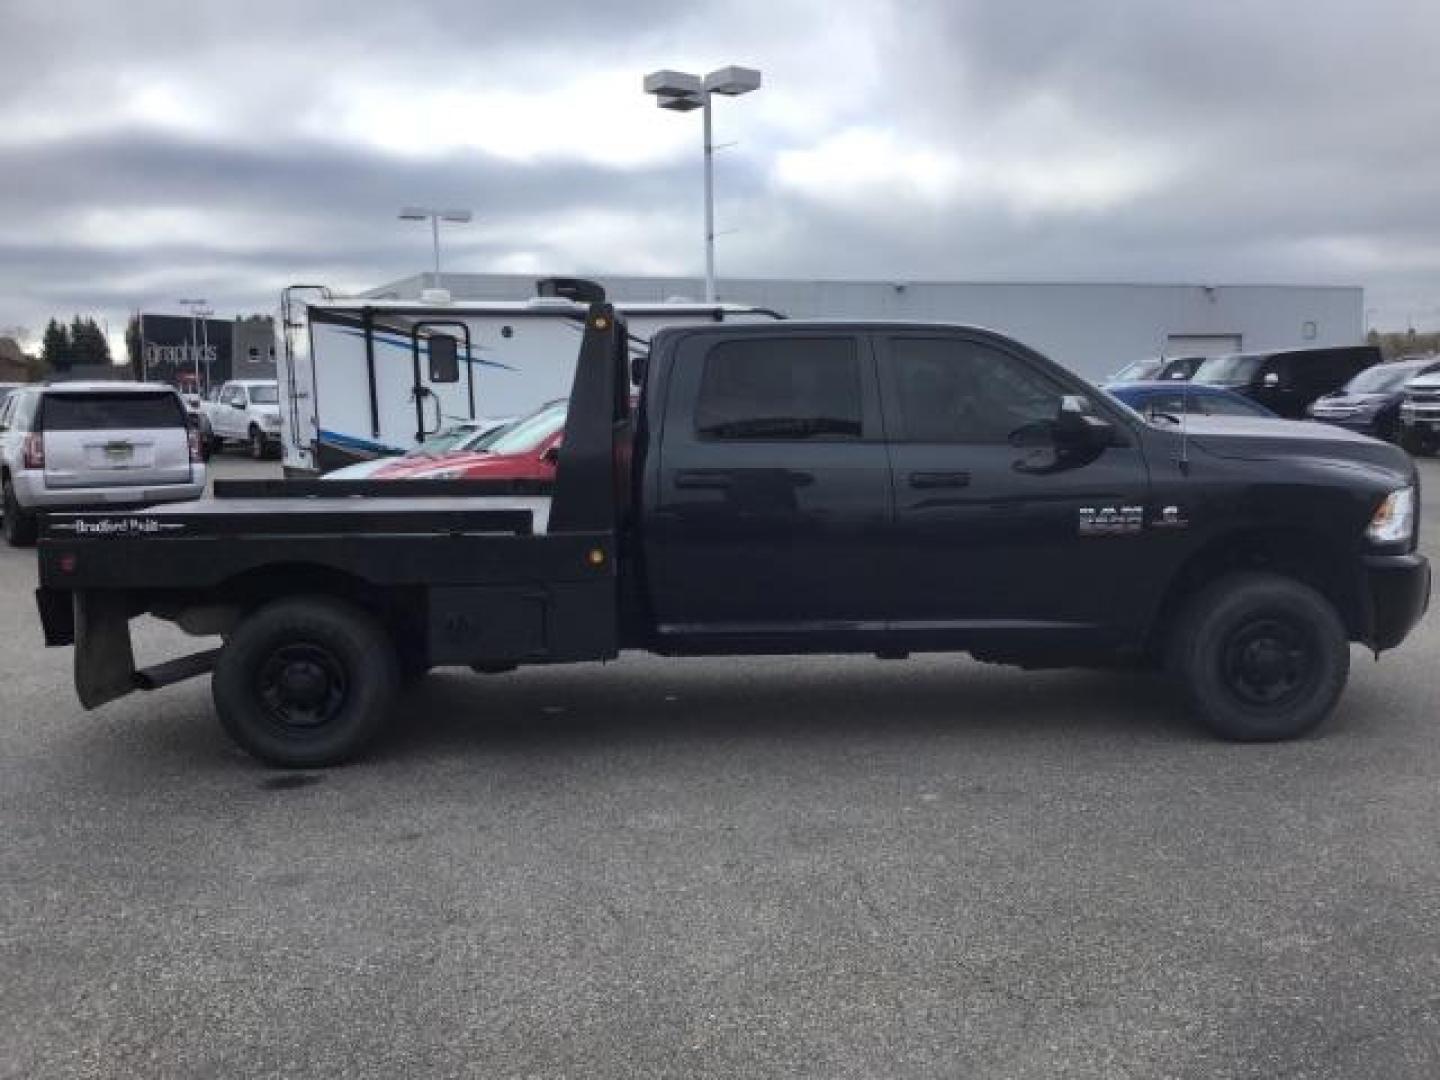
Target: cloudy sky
[(155, 149)]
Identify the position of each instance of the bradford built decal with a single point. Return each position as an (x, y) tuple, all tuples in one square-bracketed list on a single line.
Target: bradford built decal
[(124, 526)]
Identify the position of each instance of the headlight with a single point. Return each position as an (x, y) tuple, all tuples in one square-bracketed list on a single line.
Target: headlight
[(1394, 522)]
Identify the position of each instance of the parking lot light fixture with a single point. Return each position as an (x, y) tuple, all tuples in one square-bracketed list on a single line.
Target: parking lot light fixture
[(435, 216), (680, 91)]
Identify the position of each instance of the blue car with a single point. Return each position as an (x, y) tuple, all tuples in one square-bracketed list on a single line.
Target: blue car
[(1174, 398)]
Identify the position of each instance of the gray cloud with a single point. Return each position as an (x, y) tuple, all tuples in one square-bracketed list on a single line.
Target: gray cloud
[(229, 148)]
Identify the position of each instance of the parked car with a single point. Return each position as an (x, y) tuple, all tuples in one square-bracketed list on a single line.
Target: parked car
[(248, 411), (8, 388), (1371, 402), (1154, 368), (81, 445), (1287, 382), (1157, 398), (466, 435), (1420, 414), (526, 450)]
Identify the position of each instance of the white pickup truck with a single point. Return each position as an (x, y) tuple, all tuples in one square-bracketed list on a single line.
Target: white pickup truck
[(245, 410)]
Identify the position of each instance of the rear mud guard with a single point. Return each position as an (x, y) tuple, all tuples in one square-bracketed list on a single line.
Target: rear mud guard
[(104, 659)]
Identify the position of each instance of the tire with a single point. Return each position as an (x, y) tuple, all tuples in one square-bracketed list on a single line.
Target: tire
[(20, 527), (306, 682), (257, 443), (1261, 657)]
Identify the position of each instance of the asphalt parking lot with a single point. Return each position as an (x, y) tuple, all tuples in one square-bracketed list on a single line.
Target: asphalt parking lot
[(815, 867)]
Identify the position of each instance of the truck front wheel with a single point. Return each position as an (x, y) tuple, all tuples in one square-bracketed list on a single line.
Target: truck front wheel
[(306, 682), (1262, 657)]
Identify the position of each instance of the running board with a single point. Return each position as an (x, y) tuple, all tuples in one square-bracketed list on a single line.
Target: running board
[(177, 670)]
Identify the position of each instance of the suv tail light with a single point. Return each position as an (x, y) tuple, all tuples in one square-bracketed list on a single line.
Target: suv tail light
[(34, 453), (194, 437)]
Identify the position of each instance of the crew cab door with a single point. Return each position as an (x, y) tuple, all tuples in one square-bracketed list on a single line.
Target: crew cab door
[(772, 496), (994, 542)]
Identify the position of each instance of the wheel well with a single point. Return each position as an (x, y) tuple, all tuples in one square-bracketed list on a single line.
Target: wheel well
[(1294, 554), (401, 610)]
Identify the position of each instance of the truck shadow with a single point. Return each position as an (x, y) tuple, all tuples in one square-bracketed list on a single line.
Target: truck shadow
[(773, 700)]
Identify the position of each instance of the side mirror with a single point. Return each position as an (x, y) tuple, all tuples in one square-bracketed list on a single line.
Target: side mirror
[(1271, 380), (551, 456), (444, 357)]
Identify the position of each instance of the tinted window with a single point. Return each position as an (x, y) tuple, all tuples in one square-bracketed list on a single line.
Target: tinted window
[(110, 412), (963, 391), (781, 388), (264, 395)]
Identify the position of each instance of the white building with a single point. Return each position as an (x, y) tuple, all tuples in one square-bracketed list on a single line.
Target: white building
[(1093, 329)]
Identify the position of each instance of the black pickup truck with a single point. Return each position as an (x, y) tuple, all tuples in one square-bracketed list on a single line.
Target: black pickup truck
[(779, 488)]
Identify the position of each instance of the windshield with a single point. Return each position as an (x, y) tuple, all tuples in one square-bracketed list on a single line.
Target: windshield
[(264, 395), (448, 439), (1382, 378), (530, 432), (1228, 369), (1139, 371)]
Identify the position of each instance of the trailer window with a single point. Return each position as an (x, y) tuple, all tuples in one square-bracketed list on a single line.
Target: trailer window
[(781, 389)]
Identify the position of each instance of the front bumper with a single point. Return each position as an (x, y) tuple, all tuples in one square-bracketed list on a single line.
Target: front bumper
[(1397, 588)]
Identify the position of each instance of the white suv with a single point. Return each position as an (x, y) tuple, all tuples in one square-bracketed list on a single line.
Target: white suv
[(75, 446)]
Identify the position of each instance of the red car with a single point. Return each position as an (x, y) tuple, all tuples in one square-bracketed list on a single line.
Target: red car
[(527, 450)]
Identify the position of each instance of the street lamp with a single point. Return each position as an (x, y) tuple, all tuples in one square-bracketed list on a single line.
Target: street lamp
[(197, 307), (421, 213), (680, 91)]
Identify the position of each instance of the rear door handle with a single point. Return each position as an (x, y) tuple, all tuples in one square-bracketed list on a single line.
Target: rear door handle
[(703, 479), (931, 480)]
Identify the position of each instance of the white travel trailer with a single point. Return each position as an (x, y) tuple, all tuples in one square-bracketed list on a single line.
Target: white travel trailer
[(364, 377)]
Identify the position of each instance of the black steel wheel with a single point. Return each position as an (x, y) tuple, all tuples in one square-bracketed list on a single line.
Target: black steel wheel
[(305, 682), (1262, 657)]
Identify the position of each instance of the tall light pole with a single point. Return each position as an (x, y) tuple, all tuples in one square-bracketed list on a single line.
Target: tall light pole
[(680, 91), (421, 213), (195, 306)]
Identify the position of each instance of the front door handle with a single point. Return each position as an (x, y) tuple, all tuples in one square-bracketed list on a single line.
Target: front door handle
[(932, 480)]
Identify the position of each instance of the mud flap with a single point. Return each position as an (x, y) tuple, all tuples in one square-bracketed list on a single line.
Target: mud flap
[(104, 659)]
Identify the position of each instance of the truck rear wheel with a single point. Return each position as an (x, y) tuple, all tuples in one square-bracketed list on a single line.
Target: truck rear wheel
[(306, 682), (1262, 657)]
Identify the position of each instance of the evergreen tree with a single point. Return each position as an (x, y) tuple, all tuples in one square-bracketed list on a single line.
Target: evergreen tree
[(55, 351), (87, 343)]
